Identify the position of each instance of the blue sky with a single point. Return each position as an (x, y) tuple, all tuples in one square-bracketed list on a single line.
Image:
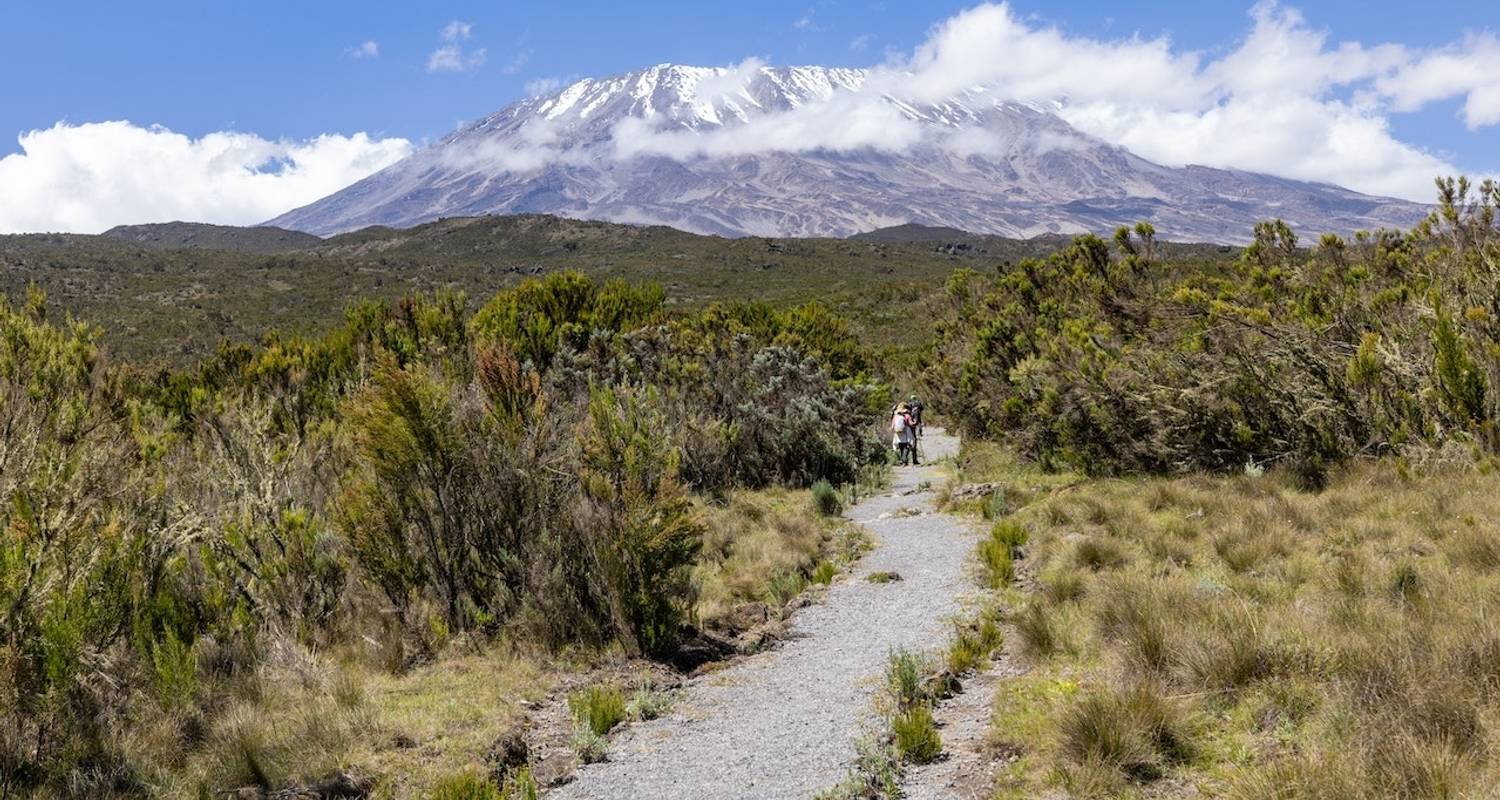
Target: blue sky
[(295, 70), (281, 69)]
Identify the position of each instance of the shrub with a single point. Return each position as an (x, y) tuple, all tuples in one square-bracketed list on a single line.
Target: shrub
[(643, 531), (916, 734), (824, 573), (997, 554), (647, 703), (826, 499), (590, 747), (965, 651), (904, 673), (598, 708)]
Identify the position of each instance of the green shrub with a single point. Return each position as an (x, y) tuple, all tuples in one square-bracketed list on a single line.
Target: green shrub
[(590, 747), (965, 651), (904, 674), (644, 531), (916, 734), (598, 708), (1010, 534), (646, 702), (824, 573), (826, 499)]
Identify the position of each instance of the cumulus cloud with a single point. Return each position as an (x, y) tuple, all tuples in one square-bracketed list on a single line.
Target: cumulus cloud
[(451, 56), (516, 63), (536, 87), (1284, 100), (456, 31), (88, 178), (366, 49)]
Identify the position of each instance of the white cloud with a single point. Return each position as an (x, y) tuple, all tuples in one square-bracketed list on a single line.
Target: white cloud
[(860, 43), (456, 31), (88, 178), (366, 49), (536, 87), (517, 62), (1283, 100), (805, 22), (451, 56), (1470, 69)]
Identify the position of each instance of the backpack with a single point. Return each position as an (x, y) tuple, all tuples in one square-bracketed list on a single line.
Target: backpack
[(898, 423)]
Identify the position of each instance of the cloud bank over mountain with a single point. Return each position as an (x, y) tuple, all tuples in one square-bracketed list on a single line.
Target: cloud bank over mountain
[(1285, 100)]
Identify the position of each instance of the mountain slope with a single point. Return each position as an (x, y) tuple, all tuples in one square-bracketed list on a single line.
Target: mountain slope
[(765, 152), (203, 236)]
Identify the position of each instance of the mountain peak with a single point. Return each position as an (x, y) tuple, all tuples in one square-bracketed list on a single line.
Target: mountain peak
[(818, 151)]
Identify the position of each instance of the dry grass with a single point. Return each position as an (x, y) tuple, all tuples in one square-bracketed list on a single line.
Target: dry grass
[(767, 546), (1238, 637), (310, 715)]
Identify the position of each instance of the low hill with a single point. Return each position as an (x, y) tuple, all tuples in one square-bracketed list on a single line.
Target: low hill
[(202, 236), (156, 300)]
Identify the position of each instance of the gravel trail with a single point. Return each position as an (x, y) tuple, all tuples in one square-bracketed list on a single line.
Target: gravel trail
[(783, 723)]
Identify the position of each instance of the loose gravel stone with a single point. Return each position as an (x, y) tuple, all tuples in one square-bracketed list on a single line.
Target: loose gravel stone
[(783, 723)]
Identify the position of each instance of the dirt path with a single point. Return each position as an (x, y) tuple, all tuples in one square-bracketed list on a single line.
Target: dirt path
[(783, 724)]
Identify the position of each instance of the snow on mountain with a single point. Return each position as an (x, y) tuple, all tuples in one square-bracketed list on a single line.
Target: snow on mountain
[(810, 151)]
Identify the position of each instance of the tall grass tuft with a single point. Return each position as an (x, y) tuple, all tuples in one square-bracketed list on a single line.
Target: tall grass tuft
[(598, 708), (915, 734), (826, 499)]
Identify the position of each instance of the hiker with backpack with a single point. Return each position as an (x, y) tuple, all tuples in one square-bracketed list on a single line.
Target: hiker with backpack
[(904, 435)]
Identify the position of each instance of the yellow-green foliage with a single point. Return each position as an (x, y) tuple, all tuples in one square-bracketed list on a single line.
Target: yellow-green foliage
[(415, 478), (1120, 362), (916, 734), (1256, 640), (762, 545), (598, 708)]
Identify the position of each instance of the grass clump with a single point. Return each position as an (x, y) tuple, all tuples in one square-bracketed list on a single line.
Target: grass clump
[(883, 576), (465, 786), (470, 785), (826, 499), (590, 747), (905, 673), (915, 734), (1134, 731), (647, 702), (824, 573), (598, 708)]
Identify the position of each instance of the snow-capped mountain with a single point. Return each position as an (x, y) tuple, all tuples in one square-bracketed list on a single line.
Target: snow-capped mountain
[(810, 151)]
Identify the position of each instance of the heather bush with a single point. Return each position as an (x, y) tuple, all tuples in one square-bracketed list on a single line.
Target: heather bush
[(417, 478), (1292, 357)]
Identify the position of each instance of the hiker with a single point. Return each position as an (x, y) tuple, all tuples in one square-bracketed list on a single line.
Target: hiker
[(916, 415), (902, 434)]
